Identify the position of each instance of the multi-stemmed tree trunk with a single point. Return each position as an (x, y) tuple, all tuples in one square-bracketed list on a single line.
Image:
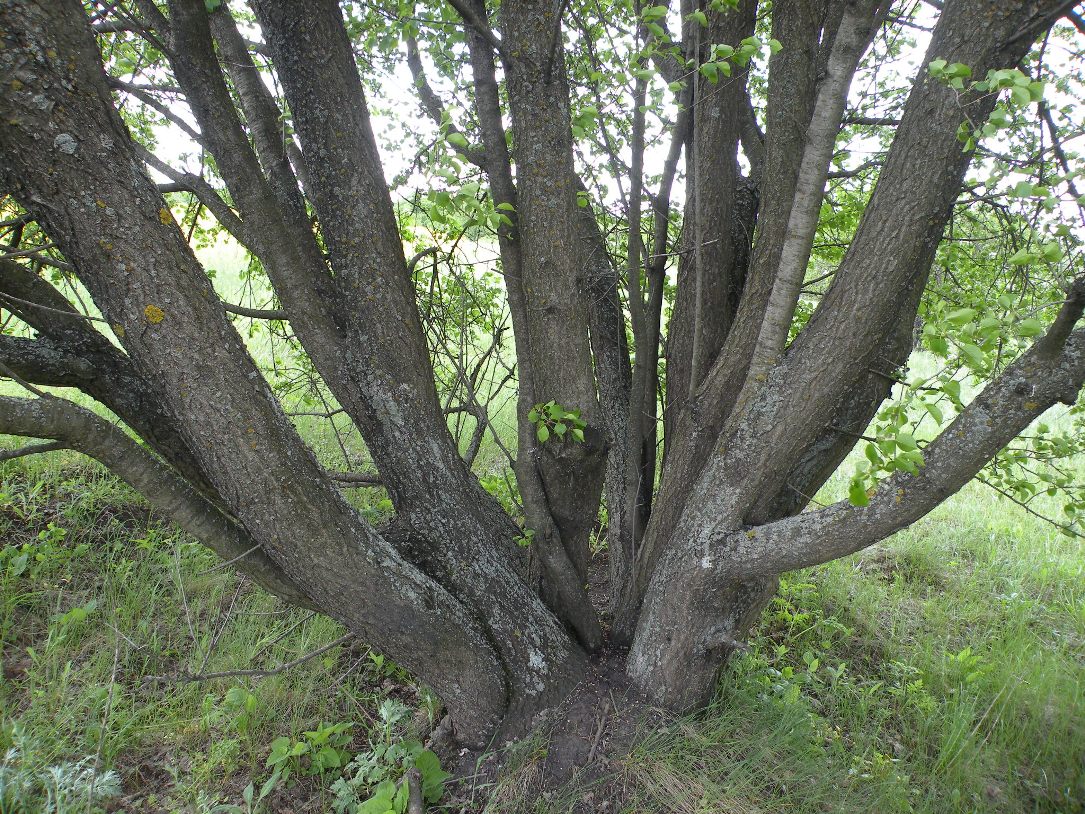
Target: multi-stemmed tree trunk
[(754, 425)]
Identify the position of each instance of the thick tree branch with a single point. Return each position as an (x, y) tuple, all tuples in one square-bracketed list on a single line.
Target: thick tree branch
[(143, 277), (469, 540), (434, 107), (32, 449), (1051, 371), (477, 20), (81, 430), (70, 353), (274, 146), (852, 38)]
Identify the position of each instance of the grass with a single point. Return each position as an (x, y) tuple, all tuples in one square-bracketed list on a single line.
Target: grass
[(940, 671)]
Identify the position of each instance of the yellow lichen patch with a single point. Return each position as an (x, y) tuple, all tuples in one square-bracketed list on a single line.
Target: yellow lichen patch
[(101, 203), (118, 329), (16, 85), (751, 533), (1031, 405), (165, 216), (154, 314)]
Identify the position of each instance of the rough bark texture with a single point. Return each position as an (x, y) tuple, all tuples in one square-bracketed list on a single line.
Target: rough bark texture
[(922, 175), (753, 426)]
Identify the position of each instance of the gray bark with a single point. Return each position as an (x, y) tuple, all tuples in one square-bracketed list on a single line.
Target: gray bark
[(762, 443)]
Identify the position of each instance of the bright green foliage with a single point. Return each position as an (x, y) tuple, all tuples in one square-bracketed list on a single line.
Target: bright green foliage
[(553, 420), (316, 752), (374, 781)]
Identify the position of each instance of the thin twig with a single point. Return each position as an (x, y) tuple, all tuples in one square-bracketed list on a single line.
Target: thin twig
[(181, 588), (225, 621), (28, 252), (105, 722), (20, 301), (598, 732), (1068, 529), (256, 313), (11, 374), (118, 631), (187, 678), (221, 565), (32, 449), (284, 634)]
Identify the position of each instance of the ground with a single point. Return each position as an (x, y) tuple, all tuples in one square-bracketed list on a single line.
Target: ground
[(941, 671)]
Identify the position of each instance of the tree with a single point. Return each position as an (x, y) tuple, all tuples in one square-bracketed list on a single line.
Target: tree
[(792, 311)]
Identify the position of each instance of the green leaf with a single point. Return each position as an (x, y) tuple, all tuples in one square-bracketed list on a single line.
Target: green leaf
[(1022, 257), (700, 18), (857, 495), (433, 776), (972, 354), (560, 429), (961, 316), (578, 434), (775, 46), (378, 804), (211, 5), (1029, 327), (1052, 252), (906, 441), (938, 344), (543, 434), (402, 797), (456, 140), (269, 784), (1021, 95)]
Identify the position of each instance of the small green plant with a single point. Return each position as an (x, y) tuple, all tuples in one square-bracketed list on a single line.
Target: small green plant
[(67, 624), (374, 782), (551, 419), (251, 799), (27, 785), (382, 772), (240, 705), (318, 752)]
